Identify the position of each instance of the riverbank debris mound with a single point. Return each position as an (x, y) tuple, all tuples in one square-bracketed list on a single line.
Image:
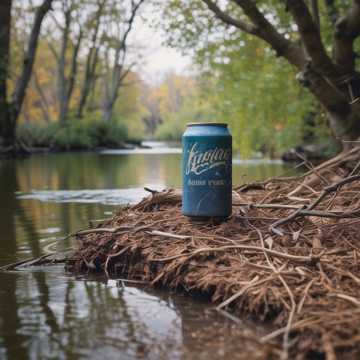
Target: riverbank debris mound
[(289, 254)]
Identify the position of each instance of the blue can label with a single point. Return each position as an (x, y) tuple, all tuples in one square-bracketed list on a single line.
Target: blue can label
[(199, 162), (207, 185)]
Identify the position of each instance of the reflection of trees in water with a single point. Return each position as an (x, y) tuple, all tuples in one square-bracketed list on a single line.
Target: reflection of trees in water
[(17, 216), (97, 319), (9, 314)]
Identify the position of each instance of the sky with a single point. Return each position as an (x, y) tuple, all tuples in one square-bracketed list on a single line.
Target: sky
[(158, 59)]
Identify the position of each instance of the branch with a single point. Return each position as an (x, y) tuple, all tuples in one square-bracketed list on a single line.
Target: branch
[(91, 61), (311, 39), (307, 211), (44, 103), (266, 31), (74, 63), (23, 81), (347, 29), (227, 19), (332, 188), (53, 49)]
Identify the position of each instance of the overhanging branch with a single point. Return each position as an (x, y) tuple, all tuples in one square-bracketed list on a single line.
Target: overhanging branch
[(311, 39), (347, 29), (226, 18), (261, 28)]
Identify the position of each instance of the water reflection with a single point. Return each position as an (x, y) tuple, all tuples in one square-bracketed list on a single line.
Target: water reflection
[(115, 179), (65, 318), (45, 314)]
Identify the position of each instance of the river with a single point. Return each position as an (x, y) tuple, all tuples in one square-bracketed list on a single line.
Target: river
[(48, 314)]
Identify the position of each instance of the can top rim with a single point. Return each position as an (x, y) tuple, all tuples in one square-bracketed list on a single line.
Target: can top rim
[(207, 124)]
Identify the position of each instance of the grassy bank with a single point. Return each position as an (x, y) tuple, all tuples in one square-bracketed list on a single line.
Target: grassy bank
[(75, 135)]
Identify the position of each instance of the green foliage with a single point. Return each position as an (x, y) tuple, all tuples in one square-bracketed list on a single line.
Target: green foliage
[(34, 135), (242, 81), (76, 135), (256, 95), (170, 131)]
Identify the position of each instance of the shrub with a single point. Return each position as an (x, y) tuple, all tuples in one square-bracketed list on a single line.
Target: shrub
[(169, 131), (37, 136), (107, 133), (75, 135)]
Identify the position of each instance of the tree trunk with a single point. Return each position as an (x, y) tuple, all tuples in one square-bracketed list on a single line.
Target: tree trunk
[(28, 63), (61, 79), (114, 77), (91, 62), (346, 127), (10, 110), (7, 130), (107, 111), (44, 105)]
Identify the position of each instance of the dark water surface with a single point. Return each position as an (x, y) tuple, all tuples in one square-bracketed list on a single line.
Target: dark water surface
[(47, 314)]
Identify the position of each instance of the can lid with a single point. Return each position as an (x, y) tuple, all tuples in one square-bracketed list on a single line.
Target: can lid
[(207, 124)]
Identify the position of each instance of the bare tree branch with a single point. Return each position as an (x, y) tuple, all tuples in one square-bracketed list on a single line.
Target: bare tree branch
[(44, 103), (112, 91), (91, 60), (61, 77), (74, 63)]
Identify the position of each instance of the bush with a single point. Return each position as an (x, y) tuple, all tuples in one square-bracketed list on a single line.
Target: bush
[(37, 136), (107, 134), (170, 131), (75, 135)]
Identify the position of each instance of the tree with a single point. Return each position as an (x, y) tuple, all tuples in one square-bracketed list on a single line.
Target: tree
[(299, 32), (66, 79), (10, 109), (92, 56), (121, 21)]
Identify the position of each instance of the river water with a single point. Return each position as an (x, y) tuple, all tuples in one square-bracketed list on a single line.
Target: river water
[(48, 314)]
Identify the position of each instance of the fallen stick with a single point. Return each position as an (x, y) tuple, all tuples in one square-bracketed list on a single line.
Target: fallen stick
[(167, 234)]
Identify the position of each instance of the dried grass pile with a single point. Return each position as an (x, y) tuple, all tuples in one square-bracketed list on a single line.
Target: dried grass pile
[(290, 254)]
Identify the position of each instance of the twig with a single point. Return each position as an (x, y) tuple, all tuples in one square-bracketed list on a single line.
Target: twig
[(348, 298), (112, 256), (167, 234), (273, 227), (334, 187), (27, 262), (302, 301), (101, 230), (311, 167), (298, 258), (252, 283)]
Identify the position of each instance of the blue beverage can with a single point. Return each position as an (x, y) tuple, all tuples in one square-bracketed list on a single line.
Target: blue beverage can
[(207, 170)]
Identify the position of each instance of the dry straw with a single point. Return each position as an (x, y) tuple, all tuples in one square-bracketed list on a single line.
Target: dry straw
[(289, 255)]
